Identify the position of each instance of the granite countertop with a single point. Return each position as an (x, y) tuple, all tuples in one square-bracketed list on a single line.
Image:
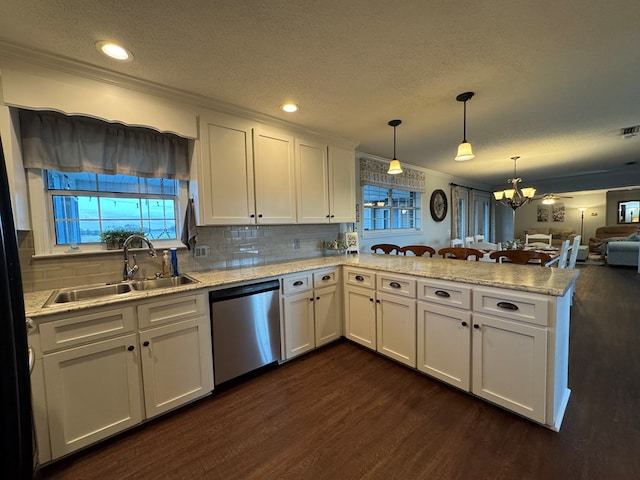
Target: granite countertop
[(546, 281)]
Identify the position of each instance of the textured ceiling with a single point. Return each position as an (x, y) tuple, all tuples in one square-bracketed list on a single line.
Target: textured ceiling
[(555, 81)]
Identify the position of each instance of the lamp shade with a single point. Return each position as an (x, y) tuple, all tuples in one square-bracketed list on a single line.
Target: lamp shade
[(528, 192), (394, 167), (499, 195), (464, 152)]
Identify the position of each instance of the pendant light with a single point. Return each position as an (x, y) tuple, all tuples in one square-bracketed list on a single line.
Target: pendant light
[(464, 149), (394, 166)]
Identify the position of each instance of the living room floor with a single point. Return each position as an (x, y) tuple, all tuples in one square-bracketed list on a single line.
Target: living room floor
[(344, 412)]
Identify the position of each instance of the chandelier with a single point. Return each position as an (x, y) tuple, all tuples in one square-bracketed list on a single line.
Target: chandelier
[(515, 197)]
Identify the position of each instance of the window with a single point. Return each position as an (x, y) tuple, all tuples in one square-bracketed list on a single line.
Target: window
[(390, 209), (84, 205)]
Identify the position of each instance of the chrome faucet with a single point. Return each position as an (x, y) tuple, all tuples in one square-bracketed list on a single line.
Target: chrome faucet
[(130, 271)]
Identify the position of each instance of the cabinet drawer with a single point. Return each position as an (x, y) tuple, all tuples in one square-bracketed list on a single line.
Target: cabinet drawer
[(76, 330), (397, 284), (171, 309), (297, 283), (524, 307), (324, 278), (445, 293), (361, 278)]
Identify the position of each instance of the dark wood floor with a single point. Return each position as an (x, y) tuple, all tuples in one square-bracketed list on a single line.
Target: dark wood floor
[(343, 412)]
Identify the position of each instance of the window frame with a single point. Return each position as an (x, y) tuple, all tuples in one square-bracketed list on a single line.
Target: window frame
[(42, 219), (391, 208)]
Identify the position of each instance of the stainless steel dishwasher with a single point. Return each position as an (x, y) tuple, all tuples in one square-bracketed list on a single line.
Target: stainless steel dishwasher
[(245, 326)]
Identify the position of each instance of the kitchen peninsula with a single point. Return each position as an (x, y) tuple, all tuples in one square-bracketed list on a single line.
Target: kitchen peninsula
[(497, 331)]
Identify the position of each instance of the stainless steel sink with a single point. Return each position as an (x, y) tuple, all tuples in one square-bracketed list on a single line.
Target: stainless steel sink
[(153, 283), (87, 293), (79, 294)]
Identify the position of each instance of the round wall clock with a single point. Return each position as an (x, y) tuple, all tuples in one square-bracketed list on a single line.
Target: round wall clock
[(438, 205)]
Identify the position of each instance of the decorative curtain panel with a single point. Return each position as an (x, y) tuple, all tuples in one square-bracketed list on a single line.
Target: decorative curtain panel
[(374, 172), (456, 217), (55, 141)]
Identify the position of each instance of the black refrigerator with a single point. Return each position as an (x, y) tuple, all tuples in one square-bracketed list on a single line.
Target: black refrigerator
[(16, 431)]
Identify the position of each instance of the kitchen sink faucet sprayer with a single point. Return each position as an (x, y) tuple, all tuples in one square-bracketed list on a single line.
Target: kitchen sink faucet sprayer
[(130, 271)]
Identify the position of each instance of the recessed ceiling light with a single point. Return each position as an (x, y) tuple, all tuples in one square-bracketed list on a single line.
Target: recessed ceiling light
[(289, 107), (115, 51)]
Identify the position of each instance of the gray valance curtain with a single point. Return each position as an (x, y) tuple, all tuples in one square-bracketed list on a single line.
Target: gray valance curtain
[(55, 141), (374, 172)]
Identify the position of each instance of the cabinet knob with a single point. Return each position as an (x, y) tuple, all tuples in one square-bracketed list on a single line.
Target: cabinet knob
[(311, 299), (332, 216), (377, 301), (328, 216), (317, 298), (259, 215), (476, 326), (145, 344), (131, 348), (464, 324), (253, 215), (370, 299)]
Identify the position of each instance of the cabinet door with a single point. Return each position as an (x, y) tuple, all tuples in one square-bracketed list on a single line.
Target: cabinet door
[(225, 182), (327, 314), (93, 391), (396, 328), (509, 365), (176, 364), (299, 335), (342, 185), (444, 344), (275, 181), (360, 315), (313, 179)]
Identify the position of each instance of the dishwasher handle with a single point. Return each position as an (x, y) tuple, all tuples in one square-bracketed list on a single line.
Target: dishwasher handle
[(243, 291)]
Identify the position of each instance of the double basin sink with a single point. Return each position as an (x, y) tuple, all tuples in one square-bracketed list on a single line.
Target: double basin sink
[(79, 294)]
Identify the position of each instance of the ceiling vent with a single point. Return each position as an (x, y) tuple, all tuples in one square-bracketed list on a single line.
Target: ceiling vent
[(629, 132)]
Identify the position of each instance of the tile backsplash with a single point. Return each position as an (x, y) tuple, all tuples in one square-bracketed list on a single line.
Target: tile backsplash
[(228, 247)]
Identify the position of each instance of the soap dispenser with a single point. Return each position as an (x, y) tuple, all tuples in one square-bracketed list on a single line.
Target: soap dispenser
[(166, 263)]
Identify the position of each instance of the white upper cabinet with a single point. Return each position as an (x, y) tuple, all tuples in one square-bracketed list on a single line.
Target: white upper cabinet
[(342, 185), (225, 175), (326, 183), (250, 174), (274, 176)]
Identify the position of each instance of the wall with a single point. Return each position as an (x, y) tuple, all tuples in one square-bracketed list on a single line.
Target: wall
[(594, 216), (615, 196), (228, 247)]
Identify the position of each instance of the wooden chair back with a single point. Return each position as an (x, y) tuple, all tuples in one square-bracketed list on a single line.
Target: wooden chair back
[(521, 257), (417, 250), (387, 248), (460, 253), (457, 242)]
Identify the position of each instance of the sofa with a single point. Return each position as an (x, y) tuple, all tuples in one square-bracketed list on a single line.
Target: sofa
[(558, 235), (598, 243), (624, 252)]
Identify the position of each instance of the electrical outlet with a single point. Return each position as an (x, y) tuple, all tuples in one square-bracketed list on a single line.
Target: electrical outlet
[(296, 243), (201, 251)]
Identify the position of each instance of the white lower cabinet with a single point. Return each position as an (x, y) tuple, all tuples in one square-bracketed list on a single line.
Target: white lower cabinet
[(444, 344), (103, 372), (312, 316), (510, 365), (93, 391), (396, 327), (360, 315)]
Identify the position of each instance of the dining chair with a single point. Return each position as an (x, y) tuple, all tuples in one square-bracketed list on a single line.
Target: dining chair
[(537, 238), (460, 253), (457, 242), (417, 250), (573, 253), (478, 238), (387, 248), (468, 241), (521, 257), (560, 261)]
